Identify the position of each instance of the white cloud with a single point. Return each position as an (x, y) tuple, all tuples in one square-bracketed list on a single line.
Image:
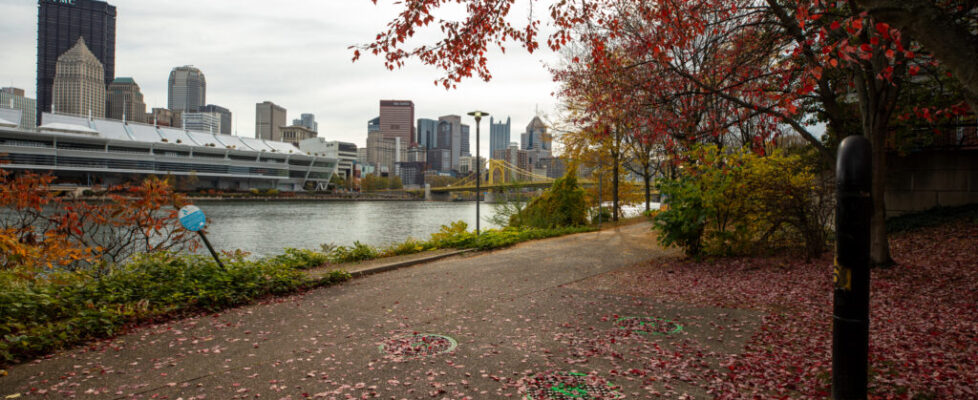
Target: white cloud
[(294, 53)]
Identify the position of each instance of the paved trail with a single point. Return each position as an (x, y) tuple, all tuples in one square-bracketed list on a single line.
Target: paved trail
[(507, 310)]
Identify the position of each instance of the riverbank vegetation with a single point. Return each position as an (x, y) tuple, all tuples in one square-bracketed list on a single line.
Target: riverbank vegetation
[(73, 271)]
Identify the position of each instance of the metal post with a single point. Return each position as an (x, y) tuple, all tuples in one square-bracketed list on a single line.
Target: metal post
[(478, 175), (850, 327), (478, 170), (211, 248)]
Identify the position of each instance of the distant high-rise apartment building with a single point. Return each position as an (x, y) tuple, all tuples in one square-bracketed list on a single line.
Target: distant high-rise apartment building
[(79, 83), (464, 144), (186, 89), (59, 25), (269, 120), (13, 98), (308, 121), (201, 121), (427, 133), (225, 117), (124, 100), (499, 134), (397, 120)]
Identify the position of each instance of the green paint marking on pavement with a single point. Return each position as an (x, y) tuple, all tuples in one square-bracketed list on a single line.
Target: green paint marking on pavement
[(649, 325)]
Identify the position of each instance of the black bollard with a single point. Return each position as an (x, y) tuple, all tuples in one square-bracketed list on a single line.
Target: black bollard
[(850, 327)]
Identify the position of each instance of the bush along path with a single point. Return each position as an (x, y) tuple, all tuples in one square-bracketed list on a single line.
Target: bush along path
[(45, 314), (923, 330)]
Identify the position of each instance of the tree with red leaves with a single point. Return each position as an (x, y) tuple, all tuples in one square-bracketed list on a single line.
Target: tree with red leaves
[(783, 63)]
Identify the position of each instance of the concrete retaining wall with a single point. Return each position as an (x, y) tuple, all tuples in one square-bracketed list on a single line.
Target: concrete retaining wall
[(927, 179)]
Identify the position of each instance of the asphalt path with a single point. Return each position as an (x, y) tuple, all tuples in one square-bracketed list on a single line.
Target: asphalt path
[(511, 317)]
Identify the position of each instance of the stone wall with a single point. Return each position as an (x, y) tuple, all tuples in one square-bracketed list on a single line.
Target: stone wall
[(923, 180)]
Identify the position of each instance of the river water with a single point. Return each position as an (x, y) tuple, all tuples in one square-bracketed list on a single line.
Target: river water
[(265, 228)]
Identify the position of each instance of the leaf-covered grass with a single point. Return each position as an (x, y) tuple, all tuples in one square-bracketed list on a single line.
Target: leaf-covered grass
[(61, 309), (923, 330)]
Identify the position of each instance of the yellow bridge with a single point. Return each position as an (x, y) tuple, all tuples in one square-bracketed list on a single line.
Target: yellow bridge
[(502, 175)]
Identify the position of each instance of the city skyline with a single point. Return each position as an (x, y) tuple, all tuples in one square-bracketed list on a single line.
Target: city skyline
[(244, 68)]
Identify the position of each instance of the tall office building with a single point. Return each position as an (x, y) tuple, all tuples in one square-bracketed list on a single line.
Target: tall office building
[(536, 136), (465, 143), (13, 98), (225, 117), (79, 83), (186, 89), (427, 133), (499, 134), (269, 120), (397, 120), (450, 131), (308, 121), (59, 25), (124, 99)]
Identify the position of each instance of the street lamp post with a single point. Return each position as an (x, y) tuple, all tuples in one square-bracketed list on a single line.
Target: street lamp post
[(478, 167)]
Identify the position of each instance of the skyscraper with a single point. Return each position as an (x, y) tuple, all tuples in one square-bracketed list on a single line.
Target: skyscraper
[(187, 89), (397, 120), (464, 149), (13, 98), (269, 120), (499, 134), (124, 98), (450, 137), (308, 121), (427, 133), (59, 25), (79, 83), (535, 137), (225, 117)]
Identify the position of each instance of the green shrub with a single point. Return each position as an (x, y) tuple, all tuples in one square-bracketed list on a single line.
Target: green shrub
[(602, 214), (563, 204), (684, 220), (409, 246), (742, 203), (454, 235), (64, 308), (302, 258), (359, 252)]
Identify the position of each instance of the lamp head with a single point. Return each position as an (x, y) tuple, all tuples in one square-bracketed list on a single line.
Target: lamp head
[(478, 115)]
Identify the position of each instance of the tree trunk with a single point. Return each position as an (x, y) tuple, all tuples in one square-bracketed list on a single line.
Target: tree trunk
[(648, 191), (614, 184), (879, 248)]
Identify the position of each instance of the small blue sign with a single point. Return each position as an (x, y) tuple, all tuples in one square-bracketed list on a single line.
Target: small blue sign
[(192, 218)]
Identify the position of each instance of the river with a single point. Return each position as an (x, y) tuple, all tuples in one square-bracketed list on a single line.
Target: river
[(266, 228)]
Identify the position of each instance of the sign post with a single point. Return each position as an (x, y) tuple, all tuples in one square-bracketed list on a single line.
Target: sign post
[(850, 317), (193, 219)]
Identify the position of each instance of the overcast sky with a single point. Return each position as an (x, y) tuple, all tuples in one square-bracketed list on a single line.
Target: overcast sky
[(293, 53)]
